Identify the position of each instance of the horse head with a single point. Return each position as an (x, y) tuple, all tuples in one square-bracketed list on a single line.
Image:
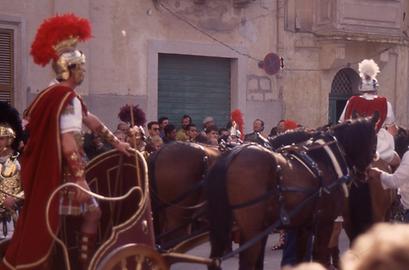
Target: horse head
[(357, 137)]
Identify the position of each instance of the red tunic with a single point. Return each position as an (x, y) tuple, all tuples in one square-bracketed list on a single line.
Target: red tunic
[(364, 107), (41, 174)]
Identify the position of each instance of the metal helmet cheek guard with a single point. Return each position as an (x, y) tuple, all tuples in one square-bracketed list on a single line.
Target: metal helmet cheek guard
[(65, 61)]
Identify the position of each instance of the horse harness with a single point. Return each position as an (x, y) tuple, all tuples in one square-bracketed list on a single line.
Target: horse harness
[(300, 153), (198, 185), (297, 152)]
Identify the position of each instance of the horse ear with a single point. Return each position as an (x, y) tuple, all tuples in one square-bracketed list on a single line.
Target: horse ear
[(375, 117), (354, 114)]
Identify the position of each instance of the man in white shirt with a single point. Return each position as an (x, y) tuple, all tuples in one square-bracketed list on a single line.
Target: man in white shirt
[(397, 180)]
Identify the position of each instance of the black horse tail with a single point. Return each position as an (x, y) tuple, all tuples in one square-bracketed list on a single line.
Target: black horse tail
[(219, 212)]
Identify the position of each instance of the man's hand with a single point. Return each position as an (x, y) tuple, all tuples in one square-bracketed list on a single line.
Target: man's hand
[(123, 147), (10, 202), (374, 173), (81, 196)]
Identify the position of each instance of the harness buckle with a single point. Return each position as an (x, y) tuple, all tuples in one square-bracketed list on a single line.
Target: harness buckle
[(326, 190), (284, 217)]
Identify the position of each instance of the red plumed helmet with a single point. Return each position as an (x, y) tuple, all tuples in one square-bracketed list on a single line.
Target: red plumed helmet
[(290, 124), (56, 34), (237, 116)]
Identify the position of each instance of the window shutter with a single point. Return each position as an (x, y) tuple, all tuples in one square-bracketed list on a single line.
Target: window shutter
[(7, 65), (195, 85)]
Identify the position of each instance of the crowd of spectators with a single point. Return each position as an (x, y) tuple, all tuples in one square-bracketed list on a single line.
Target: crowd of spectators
[(163, 131)]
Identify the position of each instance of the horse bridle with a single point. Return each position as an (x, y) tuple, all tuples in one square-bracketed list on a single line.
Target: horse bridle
[(312, 194), (298, 153)]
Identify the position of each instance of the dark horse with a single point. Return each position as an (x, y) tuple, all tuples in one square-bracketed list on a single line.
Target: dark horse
[(255, 187), (176, 176), (401, 141), (371, 203)]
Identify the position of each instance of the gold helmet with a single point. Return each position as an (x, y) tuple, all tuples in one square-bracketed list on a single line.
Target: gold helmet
[(56, 40), (10, 125), (7, 131), (66, 60)]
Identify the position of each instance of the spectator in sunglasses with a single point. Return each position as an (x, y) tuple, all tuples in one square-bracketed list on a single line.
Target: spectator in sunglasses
[(153, 129)]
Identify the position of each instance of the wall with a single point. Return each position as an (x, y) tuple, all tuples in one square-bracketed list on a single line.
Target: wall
[(118, 54), (126, 33)]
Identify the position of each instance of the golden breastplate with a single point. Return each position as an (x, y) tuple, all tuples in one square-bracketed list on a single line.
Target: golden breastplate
[(10, 183), (8, 169)]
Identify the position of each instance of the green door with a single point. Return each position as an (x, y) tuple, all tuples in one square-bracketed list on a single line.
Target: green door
[(194, 85), (344, 85)]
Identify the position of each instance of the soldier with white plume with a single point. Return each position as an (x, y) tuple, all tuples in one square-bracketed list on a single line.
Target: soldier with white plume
[(370, 102)]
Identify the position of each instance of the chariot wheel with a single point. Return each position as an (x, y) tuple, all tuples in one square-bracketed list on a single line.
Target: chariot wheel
[(134, 256)]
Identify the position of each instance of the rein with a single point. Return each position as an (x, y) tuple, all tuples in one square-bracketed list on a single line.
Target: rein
[(291, 152), (198, 185), (189, 221), (298, 153), (181, 197)]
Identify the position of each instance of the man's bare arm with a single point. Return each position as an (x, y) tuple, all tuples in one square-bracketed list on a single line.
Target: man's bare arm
[(96, 125)]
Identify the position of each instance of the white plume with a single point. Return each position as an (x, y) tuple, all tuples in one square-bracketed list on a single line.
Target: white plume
[(368, 69)]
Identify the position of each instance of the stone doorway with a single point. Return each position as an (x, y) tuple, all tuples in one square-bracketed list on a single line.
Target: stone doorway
[(344, 85)]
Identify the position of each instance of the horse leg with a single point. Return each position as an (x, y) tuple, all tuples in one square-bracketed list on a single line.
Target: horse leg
[(249, 259), (334, 243), (346, 215), (289, 256), (360, 208), (321, 252), (251, 222), (303, 244), (174, 219), (260, 261)]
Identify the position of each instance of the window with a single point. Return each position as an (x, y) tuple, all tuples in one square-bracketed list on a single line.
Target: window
[(7, 65)]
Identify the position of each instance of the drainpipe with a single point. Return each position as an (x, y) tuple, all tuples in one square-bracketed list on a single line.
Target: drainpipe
[(279, 75)]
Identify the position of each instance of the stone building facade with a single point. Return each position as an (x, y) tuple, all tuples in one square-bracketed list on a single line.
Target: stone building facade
[(321, 42)]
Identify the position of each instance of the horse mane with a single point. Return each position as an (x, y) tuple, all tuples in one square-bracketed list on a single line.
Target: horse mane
[(355, 136), (348, 131), (290, 137)]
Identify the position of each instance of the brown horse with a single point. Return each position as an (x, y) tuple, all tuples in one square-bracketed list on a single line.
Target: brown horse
[(256, 187), (369, 203), (176, 175)]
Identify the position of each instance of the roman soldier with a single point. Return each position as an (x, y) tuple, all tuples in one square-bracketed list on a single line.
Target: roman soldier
[(54, 153), (11, 193), (368, 103)]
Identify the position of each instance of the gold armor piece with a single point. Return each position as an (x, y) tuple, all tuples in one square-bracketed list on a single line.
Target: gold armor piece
[(79, 173), (108, 136), (10, 182), (66, 59), (8, 169), (74, 156), (7, 131)]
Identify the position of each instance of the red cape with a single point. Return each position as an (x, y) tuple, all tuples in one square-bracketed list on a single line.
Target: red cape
[(41, 174), (365, 107)]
